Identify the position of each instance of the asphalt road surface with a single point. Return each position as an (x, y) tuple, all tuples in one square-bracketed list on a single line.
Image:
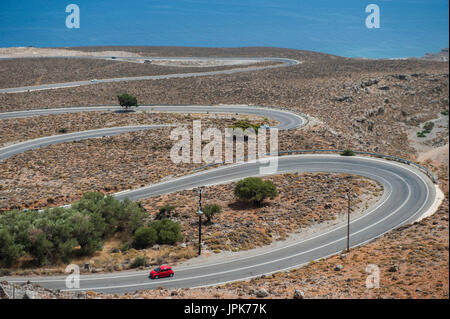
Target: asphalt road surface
[(283, 63), (286, 119)]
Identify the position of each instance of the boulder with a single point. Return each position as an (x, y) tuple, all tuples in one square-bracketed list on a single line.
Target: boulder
[(28, 295), (95, 270), (3, 293), (402, 77), (298, 294), (369, 82), (346, 98), (393, 268), (262, 293)]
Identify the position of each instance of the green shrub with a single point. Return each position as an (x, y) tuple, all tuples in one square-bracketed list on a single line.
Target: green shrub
[(10, 251), (162, 231), (145, 237), (428, 126), (126, 100), (133, 216), (62, 130), (88, 230), (244, 124), (139, 261), (348, 152), (210, 210), (42, 249), (421, 134), (17, 226), (53, 234), (126, 216), (165, 211), (62, 230), (125, 246), (255, 190), (445, 112), (168, 232)]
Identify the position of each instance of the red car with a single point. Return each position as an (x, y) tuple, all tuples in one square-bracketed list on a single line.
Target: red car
[(160, 272)]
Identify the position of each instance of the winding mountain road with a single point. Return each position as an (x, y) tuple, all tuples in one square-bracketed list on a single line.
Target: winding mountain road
[(282, 62), (408, 194)]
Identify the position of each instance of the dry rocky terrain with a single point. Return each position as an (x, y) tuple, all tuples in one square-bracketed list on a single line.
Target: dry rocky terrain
[(22, 129), (59, 174), (303, 200), (368, 105), (413, 263)]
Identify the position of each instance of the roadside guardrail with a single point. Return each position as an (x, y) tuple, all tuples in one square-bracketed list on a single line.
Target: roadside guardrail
[(378, 155)]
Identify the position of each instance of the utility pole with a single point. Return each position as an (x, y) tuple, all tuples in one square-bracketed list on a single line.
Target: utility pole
[(348, 220), (200, 213)]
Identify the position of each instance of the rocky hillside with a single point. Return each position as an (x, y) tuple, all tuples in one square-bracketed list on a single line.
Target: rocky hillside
[(440, 56)]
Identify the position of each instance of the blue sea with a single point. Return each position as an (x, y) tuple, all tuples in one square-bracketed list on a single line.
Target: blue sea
[(406, 27)]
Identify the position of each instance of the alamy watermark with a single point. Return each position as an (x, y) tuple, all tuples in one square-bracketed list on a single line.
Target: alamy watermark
[(221, 148), (373, 280), (73, 280), (373, 19), (73, 19)]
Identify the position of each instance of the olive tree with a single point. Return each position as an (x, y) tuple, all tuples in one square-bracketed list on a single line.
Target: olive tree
[(254, 189), (126, 101), (210, 210)]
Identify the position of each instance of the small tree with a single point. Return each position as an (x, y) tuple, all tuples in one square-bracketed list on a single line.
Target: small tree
[(169, 232), (126, 101), (41, 249), (348, 152), (165, 211), (9, 250), (145, 237), (139, 261), (428, 126), (210, 210), (244, 124), (255, 189)]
